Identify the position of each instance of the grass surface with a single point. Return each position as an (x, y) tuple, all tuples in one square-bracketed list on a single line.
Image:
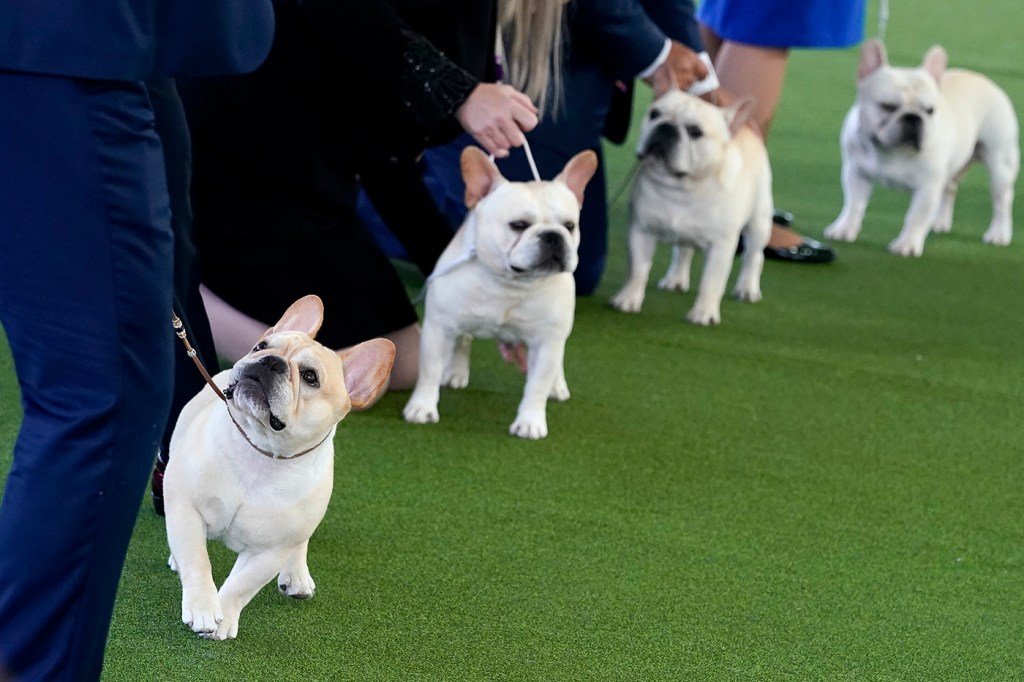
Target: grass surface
[(825, 487)]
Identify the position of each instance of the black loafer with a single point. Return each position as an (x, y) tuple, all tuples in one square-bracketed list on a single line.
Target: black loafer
[(807, 251)]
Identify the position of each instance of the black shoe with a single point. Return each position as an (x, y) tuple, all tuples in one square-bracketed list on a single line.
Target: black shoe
[(807, 251)]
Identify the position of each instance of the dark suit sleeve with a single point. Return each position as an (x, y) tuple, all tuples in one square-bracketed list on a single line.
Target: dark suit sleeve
[(619, 33), (677, 18)]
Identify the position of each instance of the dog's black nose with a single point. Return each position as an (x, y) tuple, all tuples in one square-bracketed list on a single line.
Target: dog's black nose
[(554, 245), (662, 140), (911, 127), (274, 364)]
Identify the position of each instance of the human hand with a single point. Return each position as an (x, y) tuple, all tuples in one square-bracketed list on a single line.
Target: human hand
[(681, 69), (497, 115)]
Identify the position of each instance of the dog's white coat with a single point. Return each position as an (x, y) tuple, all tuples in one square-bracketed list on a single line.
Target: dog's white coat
[(964, 117), (218, 486), (499, 279), (711, 184)]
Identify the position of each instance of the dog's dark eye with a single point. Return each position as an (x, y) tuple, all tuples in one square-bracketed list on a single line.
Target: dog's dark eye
[(888, 108), (930, 110), (569, 225), (310, 377), (259, 346), (519, 225), (655, 113), (694, 132)]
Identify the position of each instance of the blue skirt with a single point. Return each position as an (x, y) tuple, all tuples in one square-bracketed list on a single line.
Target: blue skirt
[(796, 23)]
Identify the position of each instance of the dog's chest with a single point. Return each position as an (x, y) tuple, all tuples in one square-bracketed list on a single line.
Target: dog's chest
[(896, 170), (487, 307), (263, 507), (692, 218)]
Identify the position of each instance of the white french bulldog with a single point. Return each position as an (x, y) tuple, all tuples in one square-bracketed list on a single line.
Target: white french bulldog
[(257, 472), (919, 129), (703, 181), (506, 274)]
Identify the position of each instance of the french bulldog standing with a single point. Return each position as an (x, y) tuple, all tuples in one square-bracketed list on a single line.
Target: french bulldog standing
[(919, 129), (703, 181), (506, 274), (257, 471)]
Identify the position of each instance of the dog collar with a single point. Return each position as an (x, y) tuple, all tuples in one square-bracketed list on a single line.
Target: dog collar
[(265, 453)]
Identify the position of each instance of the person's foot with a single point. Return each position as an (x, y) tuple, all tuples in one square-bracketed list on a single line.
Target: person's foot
[(156, 486), (789, 245)]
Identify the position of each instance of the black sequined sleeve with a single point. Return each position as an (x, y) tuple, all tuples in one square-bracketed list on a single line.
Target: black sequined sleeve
[(372, 51), (433, 87)]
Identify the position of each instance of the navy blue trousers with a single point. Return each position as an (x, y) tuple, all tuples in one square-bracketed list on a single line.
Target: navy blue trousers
[(85, 290)]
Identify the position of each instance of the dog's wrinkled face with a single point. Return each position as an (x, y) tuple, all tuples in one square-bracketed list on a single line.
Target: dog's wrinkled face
[(684, 135), (897, 105), (526, 229), (289, 385), (529, 229)]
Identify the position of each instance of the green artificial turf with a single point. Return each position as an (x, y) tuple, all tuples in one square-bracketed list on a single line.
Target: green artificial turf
[(825, 487)]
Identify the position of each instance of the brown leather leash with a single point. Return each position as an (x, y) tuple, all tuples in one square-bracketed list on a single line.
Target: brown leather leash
[(179, 331)]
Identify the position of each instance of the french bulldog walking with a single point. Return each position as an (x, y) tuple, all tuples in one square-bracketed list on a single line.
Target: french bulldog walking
[(257, 472)]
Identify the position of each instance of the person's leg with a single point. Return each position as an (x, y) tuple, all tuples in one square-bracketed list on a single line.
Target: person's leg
[(760, 72), (85, 281), (171, 126)]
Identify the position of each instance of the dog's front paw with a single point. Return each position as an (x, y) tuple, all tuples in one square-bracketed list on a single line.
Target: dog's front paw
[(998, 235), (531, 427), (628, 300), (416, 412), (705, 316), (841, 232), (228, 629), (203, 616), (298, 585), (905, 246)]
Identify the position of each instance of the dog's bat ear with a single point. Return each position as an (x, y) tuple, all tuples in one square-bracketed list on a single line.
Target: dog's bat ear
[(872, 58), (738, 113), (934, 62), (479, 173), (305, 315), (577, 173), (367, 368)]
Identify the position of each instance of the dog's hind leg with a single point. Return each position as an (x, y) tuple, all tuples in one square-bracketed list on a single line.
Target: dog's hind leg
[(944, 220), (1003, 165), (295, 580), (456, 371), (677, 277)]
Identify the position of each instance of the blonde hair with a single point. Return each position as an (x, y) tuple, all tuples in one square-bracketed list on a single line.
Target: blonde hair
[(531, 33)]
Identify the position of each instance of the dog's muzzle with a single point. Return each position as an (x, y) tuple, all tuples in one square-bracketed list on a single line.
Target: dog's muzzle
[(911, 130), (256, 383), (662, 139)]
